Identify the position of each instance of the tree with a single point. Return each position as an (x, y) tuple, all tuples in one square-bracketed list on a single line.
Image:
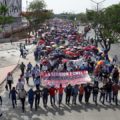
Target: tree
[(107, 22), (82, 17), (37, 14), (4, 19), (37, 5), (3, 10)]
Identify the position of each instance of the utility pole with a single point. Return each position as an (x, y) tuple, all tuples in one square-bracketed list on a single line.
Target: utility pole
[(96, 29)]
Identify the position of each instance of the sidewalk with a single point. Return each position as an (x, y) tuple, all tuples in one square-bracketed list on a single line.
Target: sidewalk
[(9, 60), (4, 71), (72, 112), (78, 112)]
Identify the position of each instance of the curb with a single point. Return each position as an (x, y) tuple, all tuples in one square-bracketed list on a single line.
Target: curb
[(15, 67), (11, 71)]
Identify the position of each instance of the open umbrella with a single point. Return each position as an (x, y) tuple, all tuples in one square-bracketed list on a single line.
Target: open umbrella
[(101, 62), (68, 49), (52, 43), (41, 42), (61, 47), (65, 60), (54, 46), (70, 53), (44, 61)]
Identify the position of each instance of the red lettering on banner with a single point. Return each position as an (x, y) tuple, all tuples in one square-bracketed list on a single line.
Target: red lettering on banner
[(65, 77)]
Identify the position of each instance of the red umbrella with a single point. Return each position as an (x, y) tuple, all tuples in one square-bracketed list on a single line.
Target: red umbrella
[(68, 48), (70, 53), (41, 42), (44, 62), (93, 47), (89, 48), (65, 60)]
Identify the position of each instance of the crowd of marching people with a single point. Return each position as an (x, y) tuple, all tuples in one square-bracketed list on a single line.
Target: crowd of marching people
[(62, 48), (73, 93)]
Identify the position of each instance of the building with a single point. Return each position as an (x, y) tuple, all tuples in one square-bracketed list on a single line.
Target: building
[(14, 10), (14, 7)]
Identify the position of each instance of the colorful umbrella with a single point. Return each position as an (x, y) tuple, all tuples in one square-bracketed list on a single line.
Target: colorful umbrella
[(65, 60)]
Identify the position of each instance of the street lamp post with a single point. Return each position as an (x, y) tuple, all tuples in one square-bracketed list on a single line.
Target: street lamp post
[(96, 30), (97, 3)]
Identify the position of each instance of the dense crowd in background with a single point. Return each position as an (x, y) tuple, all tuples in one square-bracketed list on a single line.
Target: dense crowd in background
[(62, 48)]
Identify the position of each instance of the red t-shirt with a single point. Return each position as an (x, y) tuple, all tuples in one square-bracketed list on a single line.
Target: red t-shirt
[(52, 91), (60, 90)]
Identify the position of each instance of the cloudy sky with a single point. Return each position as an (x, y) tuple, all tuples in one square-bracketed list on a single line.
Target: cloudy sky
[(75, 6)]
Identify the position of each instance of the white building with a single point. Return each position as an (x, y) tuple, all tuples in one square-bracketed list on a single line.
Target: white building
[(14, 7)]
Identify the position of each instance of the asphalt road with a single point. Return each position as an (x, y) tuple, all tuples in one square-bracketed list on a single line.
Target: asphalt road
[(72, 112)]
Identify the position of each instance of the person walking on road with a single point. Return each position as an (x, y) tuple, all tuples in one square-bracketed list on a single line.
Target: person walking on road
[(22, 52), (0, 106), (74, 94), (29, 67), (95, 92), (33, 73), (12, 94), (60, 94), (9, 80), (22, 68), (38, 93), (68, 91), (0, 100), (52, 92), (109, 91), (115, 89), (0, 112), (102, 94), (37, 82), (27, 75), (22, 96), (19, 85), (81, 92), (88, 90), (45, 93), (31, 98), (115, 75)]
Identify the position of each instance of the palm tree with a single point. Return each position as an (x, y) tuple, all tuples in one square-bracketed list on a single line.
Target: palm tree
[(4, 18), (3, 10)]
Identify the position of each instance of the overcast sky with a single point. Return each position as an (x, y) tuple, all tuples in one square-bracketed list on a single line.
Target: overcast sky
[(76, 6)]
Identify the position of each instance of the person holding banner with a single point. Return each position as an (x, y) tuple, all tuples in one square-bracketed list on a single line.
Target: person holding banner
[(88, 90), (45, 93), (68, 91), (81, 92), (74, 94), (60, 94), (52, 92), (95, 92), (38, 93)]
